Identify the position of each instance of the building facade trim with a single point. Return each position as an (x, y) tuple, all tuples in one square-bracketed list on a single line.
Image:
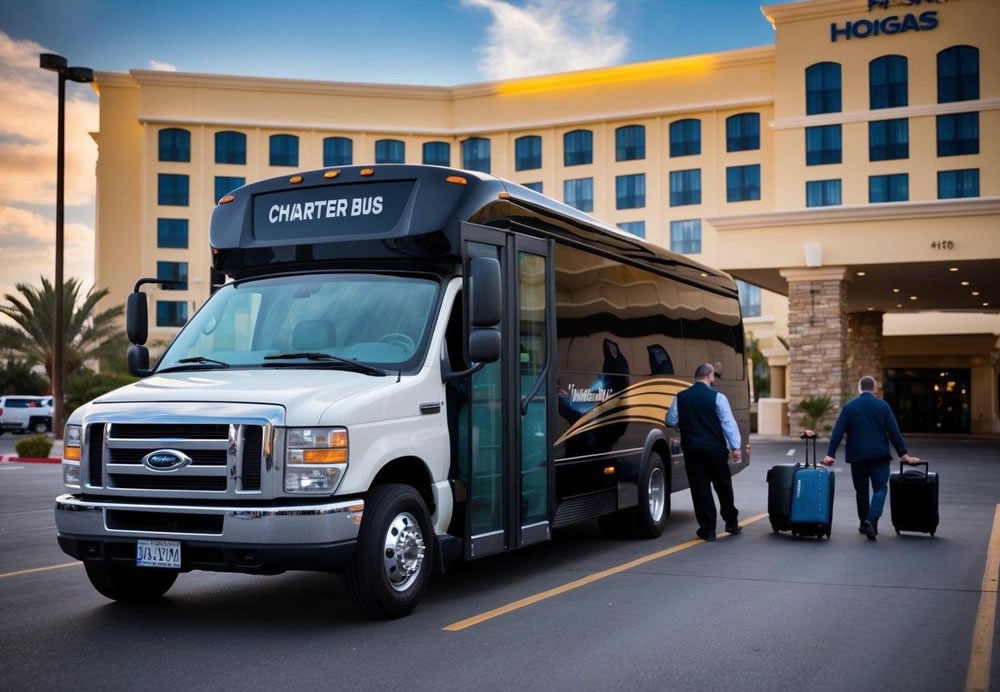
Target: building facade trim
[(977, 206), (922, 110)]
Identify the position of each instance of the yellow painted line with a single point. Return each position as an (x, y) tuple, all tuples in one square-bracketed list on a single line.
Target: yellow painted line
[(40, 569), (978, 677), (590, 578)]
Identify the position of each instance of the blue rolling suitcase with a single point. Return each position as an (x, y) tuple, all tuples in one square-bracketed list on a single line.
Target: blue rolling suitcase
[(812, 497)]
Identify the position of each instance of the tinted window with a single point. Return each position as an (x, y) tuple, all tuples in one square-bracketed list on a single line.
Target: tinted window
[(338, 151), (630, 191), (578, 148), (685, 236), (742, 183), (743, 132), (889, 139), (224, 184), (173, 271), (823, 145), (284, 150), (579, 193), (476, 154), (171, 313), (685, 137), (389, 151), (960, 183), (172, 190), (437, 153), (958, 134), (823, 88), (958, 74), (887, 83), (172, 233), (175, 145), (749, 299), (637, 228), (630, 143), (685, 187), (230, 147), (822, 193), (889, 188), (537, 187), (527, 153)]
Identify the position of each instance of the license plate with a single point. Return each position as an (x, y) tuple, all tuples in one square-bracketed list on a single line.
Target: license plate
[(158, 554)]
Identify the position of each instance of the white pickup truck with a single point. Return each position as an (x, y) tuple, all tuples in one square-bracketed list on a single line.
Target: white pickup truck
[(25, 414)]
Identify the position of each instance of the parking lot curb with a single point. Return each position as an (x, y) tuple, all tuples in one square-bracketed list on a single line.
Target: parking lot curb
[(14, 459)]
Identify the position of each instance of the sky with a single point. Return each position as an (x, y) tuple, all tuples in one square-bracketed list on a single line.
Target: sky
[(434, 42)]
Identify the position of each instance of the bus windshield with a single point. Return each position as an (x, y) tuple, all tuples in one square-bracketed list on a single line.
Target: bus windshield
[(374, 319)]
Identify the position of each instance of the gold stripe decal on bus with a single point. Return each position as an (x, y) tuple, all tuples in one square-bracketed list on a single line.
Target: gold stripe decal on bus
[(646, 402)]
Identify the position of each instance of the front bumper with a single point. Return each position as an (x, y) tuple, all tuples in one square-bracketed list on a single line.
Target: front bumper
[(262, 539)]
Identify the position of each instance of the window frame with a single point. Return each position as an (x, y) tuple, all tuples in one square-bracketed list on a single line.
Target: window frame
[(742, 141), (286, 146), (238, 153), (389, 143), (825, 98), (474, 160), (532, 159), (585, 152), (328, 156), (828, 154), (683, 142), (890, 150), (681, 195), (743, 169), (678, 243), (889, 94), (180, 154), (428, 147), (634, 151), (636, 199)]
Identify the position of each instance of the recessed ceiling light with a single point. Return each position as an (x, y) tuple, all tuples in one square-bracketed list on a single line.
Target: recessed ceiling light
[(861, 273), (913, 297), (895, 290), (965, 283), (986, 305), (871, 308), (975, 293), (953, 269), (899, 305)]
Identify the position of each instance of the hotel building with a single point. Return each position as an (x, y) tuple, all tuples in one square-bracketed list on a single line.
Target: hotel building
[(848, 175)]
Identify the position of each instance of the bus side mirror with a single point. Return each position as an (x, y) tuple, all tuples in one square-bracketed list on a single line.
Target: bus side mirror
[(485, 292), (137, 358), (137, 321), (484, 345)]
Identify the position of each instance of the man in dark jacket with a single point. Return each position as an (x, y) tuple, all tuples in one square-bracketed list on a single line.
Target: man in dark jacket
[(870, 426), (708, 433)]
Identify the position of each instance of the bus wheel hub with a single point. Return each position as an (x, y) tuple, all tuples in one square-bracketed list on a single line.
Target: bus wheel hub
[(404, 551)]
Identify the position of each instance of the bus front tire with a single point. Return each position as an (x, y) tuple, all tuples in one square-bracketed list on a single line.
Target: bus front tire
[(393, 558), (129, 584)]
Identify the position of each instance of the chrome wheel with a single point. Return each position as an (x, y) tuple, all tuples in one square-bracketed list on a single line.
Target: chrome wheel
[(657, 494), (403, 553)]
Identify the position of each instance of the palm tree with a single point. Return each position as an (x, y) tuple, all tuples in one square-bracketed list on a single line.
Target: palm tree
[(88, 334)]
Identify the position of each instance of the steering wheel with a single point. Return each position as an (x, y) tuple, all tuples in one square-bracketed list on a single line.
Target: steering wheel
[(401, 340)]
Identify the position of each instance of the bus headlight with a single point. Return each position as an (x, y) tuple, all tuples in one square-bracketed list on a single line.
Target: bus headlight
[(315, 459), (71, 456)]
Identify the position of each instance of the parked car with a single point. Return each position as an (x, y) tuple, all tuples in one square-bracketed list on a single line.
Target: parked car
[(25, 414)]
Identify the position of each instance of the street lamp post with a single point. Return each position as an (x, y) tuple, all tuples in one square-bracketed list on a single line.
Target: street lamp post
[(58, 64)]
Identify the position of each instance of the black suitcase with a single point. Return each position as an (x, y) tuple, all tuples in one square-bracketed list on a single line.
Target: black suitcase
[(779, 495), (913, 499)]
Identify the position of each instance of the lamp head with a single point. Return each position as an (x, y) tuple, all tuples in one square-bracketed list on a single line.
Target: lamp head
[(51, 61), (80, 74)]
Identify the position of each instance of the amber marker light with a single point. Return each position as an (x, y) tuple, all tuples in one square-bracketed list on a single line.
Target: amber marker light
[(504, 195), (73, 453), (227, 199), (331, 174), (295, 179), (609, 470), (324, 456), (456, 179), (367, 171)]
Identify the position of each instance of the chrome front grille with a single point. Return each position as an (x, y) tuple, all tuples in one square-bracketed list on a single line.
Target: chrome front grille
[(228, 459)]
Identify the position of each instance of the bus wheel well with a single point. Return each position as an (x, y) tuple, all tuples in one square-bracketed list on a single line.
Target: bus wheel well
[(409, 471)]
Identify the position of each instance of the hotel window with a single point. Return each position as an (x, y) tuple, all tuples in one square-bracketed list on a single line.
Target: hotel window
[(636, 228), (749, 298), (685, 236), (888, 139), (685, 187), (579, 193), (823, 88), (230, 147), (175, 144), (171, 313), (224, 184), (630, 191), (437, 153), (578, 148), (338, 151), (887, 82), (527, 153), (961, 183), (823, 193), (284, 150), (889, 188), (389, 151), (476, 154), (743, 132), (958, 134), (537, 187), (743, 183), (630, 143), (685, 137), (823, 145), (172, 190), (173, 271), (958, 74), (172, 233)]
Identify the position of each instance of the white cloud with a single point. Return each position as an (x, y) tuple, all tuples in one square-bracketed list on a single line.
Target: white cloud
[(162, 66), (26, 243), (549, 36)]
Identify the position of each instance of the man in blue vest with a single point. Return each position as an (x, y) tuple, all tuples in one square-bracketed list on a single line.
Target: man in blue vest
[(870, 426), (708, 434)]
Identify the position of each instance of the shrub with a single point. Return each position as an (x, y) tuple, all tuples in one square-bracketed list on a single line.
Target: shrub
[(34, 447), (813, 408)]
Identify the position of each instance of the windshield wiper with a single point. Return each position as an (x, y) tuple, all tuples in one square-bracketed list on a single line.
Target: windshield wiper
[(195, 362), (315, 355)]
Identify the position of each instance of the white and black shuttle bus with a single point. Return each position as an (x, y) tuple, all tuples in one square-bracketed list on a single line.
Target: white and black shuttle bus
[(409, 365)]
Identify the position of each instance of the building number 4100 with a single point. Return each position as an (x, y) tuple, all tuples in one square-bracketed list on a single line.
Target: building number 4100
[(943, 245)]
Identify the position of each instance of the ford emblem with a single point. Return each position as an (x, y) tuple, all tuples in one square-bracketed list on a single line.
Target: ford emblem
[(166, 460)]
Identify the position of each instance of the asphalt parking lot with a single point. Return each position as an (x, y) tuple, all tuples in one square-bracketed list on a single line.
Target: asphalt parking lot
[(755, 612)]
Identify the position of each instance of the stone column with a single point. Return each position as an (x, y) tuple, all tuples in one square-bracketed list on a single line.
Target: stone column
[(817, 336), (864, 348)]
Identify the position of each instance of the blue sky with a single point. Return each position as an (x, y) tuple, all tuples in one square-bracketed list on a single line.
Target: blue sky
[(434, 42)]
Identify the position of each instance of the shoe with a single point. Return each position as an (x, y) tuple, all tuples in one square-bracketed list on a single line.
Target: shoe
[(870, 531), (706, 535), (862, 530), (734, 528)]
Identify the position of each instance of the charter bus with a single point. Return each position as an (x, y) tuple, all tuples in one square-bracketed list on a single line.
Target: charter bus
[(409, 365)]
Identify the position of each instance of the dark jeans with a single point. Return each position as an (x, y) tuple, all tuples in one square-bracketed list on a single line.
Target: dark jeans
[(877, 474), (705, 469)]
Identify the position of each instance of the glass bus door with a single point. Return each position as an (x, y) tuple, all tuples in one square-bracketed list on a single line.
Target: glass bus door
[(506, 440)]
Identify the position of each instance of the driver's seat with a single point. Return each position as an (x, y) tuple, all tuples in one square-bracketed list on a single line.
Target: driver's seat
[(314, 335)]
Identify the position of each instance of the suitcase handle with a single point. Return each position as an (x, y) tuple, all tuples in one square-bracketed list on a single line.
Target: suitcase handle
[(808, 435), (927, 468)]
